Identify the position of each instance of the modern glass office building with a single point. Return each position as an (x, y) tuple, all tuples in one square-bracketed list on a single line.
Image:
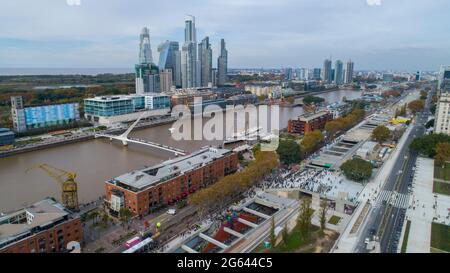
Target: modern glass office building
[(108, 106)]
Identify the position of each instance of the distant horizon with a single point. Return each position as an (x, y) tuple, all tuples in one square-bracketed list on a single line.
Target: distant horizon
[(91, 71)]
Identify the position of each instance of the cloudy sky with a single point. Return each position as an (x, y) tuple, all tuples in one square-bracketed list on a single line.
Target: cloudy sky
[(376, 34)]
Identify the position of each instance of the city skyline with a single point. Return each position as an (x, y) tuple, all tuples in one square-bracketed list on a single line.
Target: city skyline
[(393, 36)]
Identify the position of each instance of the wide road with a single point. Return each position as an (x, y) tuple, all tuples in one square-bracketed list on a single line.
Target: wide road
[(387, 216)]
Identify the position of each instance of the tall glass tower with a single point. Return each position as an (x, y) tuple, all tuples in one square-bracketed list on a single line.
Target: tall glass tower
[(189, 54), (222, 64), (145, 50)]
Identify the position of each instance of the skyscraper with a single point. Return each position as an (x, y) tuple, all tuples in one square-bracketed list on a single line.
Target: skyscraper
[(444, 79), (147, 78), (165, 77), (205, 61), (145, 50), (349, 72), (222, 64), (168, 54), (189, 54), (316, 74), (339, 72), (327, 73), (147, 73)]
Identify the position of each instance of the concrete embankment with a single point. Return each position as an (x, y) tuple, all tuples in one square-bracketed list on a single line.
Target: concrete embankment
[(77, 139)]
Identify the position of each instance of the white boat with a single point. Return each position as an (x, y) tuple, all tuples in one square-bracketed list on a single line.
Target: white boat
[(250, 134)]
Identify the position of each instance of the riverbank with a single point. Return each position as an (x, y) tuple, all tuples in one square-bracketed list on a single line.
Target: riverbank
[(80, 138)]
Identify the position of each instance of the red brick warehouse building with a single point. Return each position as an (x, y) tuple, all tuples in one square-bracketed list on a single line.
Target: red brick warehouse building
[(43, 227), (165, 183), (309, 122)]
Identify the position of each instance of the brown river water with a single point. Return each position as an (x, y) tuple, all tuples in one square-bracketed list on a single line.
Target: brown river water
[(97, 160)]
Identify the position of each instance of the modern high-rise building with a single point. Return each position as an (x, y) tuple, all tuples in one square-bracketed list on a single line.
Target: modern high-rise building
[(147, 73), (168, 54), (222, 64), (327, 71), (316, 74), (165, 77), (214, 77), (349, 72), (147, 78), (444, 79), (205, 61), (339, 72), (145, 50), (288, 74), (189, 54), (442, 119)]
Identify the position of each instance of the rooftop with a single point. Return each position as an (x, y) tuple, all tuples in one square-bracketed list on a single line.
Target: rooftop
[(141, 179), (23, 221), (309, 117)]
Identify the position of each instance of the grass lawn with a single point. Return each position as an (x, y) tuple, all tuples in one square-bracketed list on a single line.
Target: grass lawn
[(440, 237), (405, 237), (295, 240), (442, 188), (442, 173), (334, 220)]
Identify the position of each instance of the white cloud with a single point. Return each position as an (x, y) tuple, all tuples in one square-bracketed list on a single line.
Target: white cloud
[(73, 2), (373, 2)]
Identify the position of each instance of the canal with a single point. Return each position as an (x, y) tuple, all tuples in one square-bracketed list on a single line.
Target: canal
[(97, 160)]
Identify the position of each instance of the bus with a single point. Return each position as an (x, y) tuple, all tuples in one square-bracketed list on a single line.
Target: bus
[(133, 241), (139, 247)]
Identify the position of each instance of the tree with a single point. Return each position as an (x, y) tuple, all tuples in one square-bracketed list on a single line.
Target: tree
[(332, 127), (426, 145), (442, 153), (323, 215), (381, 133), (310, 99), (311, 140), (304, 218), (273, 239), (288, 151), (291, 100), (357, 169), (124, 215), (285, 233), (416, 105)]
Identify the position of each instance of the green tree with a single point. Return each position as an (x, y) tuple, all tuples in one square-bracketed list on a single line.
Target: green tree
[(288, 151), (442, 153), (426, 145), (304, 218), (273, 239), (381, 133), (285, 233), (124, 215), (323, 215), (310, 99), (357, 169)]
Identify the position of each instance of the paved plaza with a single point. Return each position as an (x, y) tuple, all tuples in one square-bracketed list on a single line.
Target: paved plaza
[(426, 207)]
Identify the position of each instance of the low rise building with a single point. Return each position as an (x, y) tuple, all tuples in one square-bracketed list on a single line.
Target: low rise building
[(339, 109), (43, 227), (107, 110), (7, 137), (309, 122), (140, 191), (35, 117)]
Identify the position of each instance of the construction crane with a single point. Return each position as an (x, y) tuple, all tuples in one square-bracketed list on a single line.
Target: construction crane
[(69, 188)]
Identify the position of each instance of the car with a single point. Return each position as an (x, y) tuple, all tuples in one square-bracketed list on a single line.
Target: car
[(367, 240), (171, 211)]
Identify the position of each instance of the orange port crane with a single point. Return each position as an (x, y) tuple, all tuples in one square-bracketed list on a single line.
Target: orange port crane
[(69, 188)]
